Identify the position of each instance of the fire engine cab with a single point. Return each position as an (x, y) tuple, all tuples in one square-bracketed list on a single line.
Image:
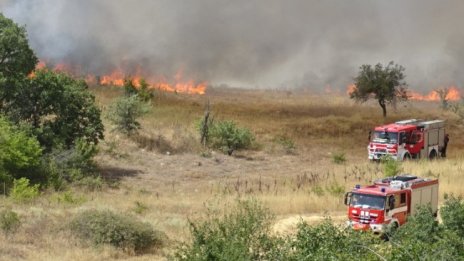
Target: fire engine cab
[(407, 139), (389, 201)]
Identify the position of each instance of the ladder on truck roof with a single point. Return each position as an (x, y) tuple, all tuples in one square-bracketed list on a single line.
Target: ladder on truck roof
[(408, 122)]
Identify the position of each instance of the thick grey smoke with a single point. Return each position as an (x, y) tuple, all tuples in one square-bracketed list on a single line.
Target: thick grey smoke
[(261, 43)]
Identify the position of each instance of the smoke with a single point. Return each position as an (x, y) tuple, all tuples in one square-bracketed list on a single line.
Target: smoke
[(262, 43)]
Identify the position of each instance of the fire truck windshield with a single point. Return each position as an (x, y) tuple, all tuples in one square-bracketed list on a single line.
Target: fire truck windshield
[(367, 201), (385, 137)]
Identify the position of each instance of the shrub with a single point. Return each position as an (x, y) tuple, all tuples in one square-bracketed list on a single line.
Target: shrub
[(241, 234), (318, 190), (19, 153), (391, 167), (327, 241), (140, 208), (228, 137), (91, 183), (144, 93), (287, 143), (69, 198), (9, 221), (452, 214), (338, 158), (336, 189), (125, 112), (423, 238), (124, 232), (23, 192), (71, 165), (129, 87)]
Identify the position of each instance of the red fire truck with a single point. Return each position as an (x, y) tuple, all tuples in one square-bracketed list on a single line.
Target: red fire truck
[(389, 201), (407, 139)]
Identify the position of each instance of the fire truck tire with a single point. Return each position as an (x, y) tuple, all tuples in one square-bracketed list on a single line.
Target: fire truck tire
[(433, 155)]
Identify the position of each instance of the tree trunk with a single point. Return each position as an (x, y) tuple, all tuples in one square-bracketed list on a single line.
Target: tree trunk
[(384, 107)]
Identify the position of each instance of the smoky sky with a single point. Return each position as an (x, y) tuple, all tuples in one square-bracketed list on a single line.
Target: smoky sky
[(262, 43)]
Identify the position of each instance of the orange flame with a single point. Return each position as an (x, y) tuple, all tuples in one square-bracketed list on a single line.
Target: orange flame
[(452, 95), (179, 86), (117, 77), (350, 89)]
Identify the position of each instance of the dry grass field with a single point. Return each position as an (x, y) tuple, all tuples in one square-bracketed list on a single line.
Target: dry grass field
[(165, 177)]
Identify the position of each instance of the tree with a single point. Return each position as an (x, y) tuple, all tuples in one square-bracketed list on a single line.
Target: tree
[(124, 113), (59, 108), (129, 87), (17, 59), (385, 84), (442, 93), (144, 92)]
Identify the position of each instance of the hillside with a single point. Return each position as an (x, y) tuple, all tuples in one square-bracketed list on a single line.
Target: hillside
[(165, 177)]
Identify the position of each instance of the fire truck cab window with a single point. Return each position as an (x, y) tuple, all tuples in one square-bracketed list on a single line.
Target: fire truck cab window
[(391, 202), (370, 201), (403, 138), (403, 198), (385, 137)]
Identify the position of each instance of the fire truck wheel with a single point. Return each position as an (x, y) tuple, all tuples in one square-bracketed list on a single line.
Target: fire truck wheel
[(407, 156), (390, 230)]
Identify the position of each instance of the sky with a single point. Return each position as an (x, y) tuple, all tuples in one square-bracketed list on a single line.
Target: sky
[(307, 44)]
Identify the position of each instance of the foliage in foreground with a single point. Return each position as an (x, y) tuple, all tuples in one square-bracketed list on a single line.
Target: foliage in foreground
[(20, 153), (244, 234), (125, 232)]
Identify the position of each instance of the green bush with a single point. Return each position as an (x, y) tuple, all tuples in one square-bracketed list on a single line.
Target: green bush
[(106, 227), (144, 93), (228, 137), (391, 167), (23, 192), (69, 198), (327, 241), (129, 87), (287, 143), (71, 165), (9, 221), (140, 208), (124, 113), (20, 154), (452, 214), (423, 238), (242, 234), (339, 158)]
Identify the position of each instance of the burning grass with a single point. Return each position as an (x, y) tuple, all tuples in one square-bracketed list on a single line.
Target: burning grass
[(166, 189)]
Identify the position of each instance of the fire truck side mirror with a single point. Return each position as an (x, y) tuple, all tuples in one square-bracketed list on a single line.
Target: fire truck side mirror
[(347, 198)]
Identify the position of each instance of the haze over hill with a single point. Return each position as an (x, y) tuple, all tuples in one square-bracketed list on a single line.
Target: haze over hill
[(307, 44)]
